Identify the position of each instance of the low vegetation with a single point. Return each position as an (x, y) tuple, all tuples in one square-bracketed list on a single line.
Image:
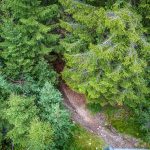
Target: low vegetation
[(84, 140)]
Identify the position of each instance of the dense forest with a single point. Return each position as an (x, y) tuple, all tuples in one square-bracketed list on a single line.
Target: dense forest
[(104, 46)]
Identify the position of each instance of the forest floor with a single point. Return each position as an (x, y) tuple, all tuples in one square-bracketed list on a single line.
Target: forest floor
[(97, 123)]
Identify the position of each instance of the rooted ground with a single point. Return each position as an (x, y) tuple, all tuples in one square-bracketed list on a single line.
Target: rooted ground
[(96, 124)]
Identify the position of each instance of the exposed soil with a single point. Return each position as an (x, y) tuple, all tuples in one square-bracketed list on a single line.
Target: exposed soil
[(96, 124)]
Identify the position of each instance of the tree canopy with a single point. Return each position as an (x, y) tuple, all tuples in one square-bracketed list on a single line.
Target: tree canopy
[(105, 49)]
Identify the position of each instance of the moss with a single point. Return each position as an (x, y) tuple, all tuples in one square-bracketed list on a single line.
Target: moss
[(84, 140)]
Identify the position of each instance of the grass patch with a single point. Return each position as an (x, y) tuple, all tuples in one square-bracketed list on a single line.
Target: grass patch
[(84, 140)]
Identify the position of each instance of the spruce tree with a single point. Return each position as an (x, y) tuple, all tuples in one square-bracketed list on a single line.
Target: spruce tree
[(40, 135), (108, 64), (107, 57), (27, 32), (144, 10), (26, 130), (19, 113), (4, 94), (52, 111)]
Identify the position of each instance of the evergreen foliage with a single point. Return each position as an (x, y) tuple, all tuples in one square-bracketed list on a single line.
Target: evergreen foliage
[(106, 49), (27, 33), (107, 56), (111, 69), (5, 91), (58, 117), (19, 113), (22, 126), (27, 130), (4, 88), (60, 120), (144, 10), (49, 96), (1, 136), (40, 135)]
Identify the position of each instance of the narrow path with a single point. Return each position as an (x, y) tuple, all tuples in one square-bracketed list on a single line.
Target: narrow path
[(94, 123)]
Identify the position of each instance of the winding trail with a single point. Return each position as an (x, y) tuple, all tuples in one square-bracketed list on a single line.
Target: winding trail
[(96, 124)]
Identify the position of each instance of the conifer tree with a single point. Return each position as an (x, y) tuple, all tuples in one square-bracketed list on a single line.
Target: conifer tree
[(19, 113), (110, 69), (144, 9), (52, 112), (27, 131), (40, 135), (28, 36), (107, 56), (4, 94)]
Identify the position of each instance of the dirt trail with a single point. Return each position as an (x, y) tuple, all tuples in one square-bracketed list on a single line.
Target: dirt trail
[(94, 123)]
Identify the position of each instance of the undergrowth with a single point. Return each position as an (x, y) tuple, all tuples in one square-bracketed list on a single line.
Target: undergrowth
[(84, 140), (124, 122)]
